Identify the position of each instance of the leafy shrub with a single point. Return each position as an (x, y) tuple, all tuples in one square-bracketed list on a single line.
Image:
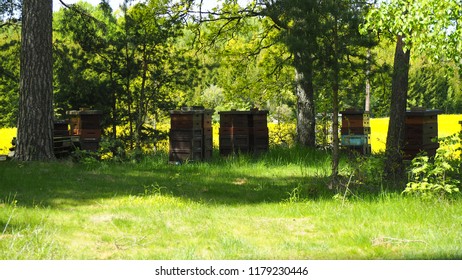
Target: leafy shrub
[(438, 176), (113, 149), (281, 134), (363, 174)]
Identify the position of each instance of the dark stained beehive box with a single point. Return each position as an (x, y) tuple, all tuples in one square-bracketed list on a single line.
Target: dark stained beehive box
[(191, 135), (85, 125), (421, 129), (207, 134), (259, 134), (62, 143), (234, 132), (60, 128), (356, 130), (243, 132)]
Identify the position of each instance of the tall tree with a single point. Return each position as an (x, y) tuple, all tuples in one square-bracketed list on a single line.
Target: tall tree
[(343, 52), (428, 26), (296, 22), (299, 22), (399, 92), (35, 122)]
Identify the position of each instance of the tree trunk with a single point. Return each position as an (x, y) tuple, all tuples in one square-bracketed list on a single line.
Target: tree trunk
[(335, 106), (394, 168), (367, 105), (142, 112), (113, 105), (306, 119), (35, 122), (335, 138)]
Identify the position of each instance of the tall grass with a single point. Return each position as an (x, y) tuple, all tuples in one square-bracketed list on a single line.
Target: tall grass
[(276, 206)]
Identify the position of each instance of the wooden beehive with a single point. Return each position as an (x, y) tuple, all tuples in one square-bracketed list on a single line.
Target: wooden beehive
[(421, 131), (234, 132), (62, 144), (191, 135), (243, 132), (207, 134), (86, 126), (259, 134), (355, 131)]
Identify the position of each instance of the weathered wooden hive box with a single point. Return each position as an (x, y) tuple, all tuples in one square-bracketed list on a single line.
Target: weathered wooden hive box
[(85, 126), (191, 135), (243, 132), (421, 131), (356, 130), (62, 143)]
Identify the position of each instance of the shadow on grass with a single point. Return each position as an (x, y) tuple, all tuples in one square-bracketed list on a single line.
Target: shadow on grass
[(237, 180)]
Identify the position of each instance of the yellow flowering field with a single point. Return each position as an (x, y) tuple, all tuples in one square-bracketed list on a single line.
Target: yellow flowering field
[(447, 125), (379, 130)]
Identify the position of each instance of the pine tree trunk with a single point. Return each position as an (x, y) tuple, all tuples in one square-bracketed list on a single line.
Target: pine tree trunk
[(306, 119), (335, 108), (335, 137), (35, 122), (394, 168)]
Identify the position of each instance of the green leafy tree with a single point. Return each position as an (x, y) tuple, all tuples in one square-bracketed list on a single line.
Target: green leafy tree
[(10, 37), (133, 67), (249, 70), (427, 26), (88, 60), (9, 75), (341, 42)]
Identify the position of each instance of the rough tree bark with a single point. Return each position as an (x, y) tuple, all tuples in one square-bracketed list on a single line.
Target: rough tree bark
[(35, 122), (394, 168), (306, 119)]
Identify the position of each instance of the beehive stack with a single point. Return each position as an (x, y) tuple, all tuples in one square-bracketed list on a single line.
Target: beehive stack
[(356, 131), (62, 144), (207, 134), (190, 135), (243, 132), (86, 127), (421, 128), (234, 132), (259, 139)]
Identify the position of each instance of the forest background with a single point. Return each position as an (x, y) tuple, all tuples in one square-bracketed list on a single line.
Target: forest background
[(135, 66)]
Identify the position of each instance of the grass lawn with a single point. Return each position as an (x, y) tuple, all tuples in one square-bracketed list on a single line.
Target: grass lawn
[(274, 207)]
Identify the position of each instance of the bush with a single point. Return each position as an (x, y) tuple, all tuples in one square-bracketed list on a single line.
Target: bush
[(439, 176)]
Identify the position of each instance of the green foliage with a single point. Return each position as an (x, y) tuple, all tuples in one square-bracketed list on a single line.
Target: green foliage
[(128, 65), (365, 173), (436, 177), (9, 75), (430, 27), (434, 86)]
